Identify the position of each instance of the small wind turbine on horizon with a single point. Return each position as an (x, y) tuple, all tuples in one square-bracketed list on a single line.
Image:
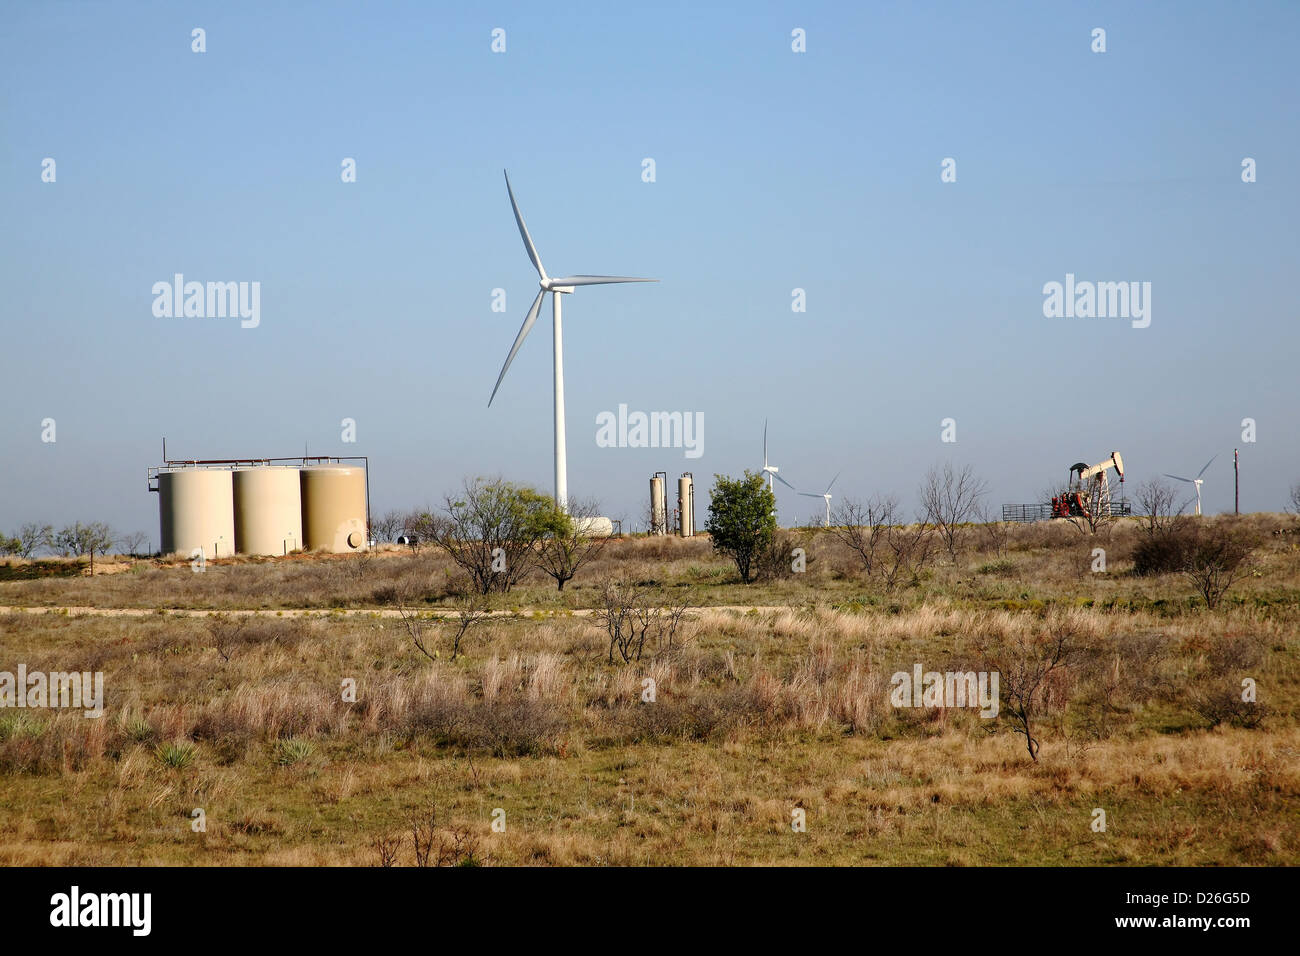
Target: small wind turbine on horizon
[(825, 494), (557, 287), (1197, 481), (771, 470)]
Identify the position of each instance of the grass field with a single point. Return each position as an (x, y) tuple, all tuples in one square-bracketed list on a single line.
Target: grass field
[(757, 713)]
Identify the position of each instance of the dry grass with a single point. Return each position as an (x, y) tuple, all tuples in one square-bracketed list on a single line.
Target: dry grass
[(754, 714)]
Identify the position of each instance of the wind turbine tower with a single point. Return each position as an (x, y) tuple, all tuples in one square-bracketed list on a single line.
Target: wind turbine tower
[(557, 288)]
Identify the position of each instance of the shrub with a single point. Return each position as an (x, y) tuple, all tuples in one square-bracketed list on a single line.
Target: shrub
[(742, 520), (1164, 551), (1213, 558), (177, 756)]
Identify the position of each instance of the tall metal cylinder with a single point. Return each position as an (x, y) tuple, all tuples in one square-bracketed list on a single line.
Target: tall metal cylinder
[(686, 504), (658, 505)]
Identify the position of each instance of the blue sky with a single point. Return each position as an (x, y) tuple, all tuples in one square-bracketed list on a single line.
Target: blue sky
[(774, 170)]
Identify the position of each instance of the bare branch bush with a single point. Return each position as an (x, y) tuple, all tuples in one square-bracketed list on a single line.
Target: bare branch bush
[(862, 527), (1214, 558), (571, 543), (950, 498), (997, 533), (226, 631), (1035, 674), (1157, 501), (908, 547), (633, 615)]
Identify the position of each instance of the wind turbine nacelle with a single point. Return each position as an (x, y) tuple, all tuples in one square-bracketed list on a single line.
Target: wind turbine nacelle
[(547, 285)]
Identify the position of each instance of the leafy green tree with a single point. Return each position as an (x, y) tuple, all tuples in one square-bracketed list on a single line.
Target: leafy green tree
[(742, 520), (490, 529)]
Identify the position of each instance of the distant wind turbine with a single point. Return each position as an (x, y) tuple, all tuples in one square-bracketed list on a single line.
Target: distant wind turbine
[(771, 470), (1195, 481), (556, 287), (825, 494)]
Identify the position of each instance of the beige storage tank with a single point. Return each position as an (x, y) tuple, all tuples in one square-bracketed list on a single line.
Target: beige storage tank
[(596, 527), (196, 510), (658, 505), (268, 510), (686, 505), (334, 507)]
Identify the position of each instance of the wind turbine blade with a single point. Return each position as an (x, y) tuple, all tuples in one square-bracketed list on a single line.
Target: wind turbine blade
[(1183, 506), (597, 280), (523, 231), (833, 480), (786, 483), (1207, 465), (809, 494), (1177, 478), (519, 340)]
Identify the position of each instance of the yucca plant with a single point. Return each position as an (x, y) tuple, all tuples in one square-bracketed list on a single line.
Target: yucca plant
[(292, 750), (177, 755)]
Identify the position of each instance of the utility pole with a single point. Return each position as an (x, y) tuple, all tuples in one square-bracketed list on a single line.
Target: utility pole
[(1236, 484)]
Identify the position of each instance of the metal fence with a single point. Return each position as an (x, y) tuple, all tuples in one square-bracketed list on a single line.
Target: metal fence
[(1041, 512)]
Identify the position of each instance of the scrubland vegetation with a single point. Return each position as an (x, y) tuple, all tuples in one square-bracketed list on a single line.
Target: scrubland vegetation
[(768, 697)]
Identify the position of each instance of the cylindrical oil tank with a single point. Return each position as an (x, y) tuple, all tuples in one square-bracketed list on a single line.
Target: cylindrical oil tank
[(268, 510), (196, 510), (658, 520), (596, 527), (333, 507), (686, 504)]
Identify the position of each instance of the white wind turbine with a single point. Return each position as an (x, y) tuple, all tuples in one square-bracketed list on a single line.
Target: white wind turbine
[(556, 287), (825, 494), (1195, 481), (771, 470)]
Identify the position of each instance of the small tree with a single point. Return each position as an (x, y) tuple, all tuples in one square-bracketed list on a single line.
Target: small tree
[(1212, 560), (1157, 501), (1034, 671), (490, 530), (134, 543), (908, 548), (388, 526), (742, 519), (862, 527), (950, 498), (570, 542), (1295, 500), (30, 538), (78, 539)]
